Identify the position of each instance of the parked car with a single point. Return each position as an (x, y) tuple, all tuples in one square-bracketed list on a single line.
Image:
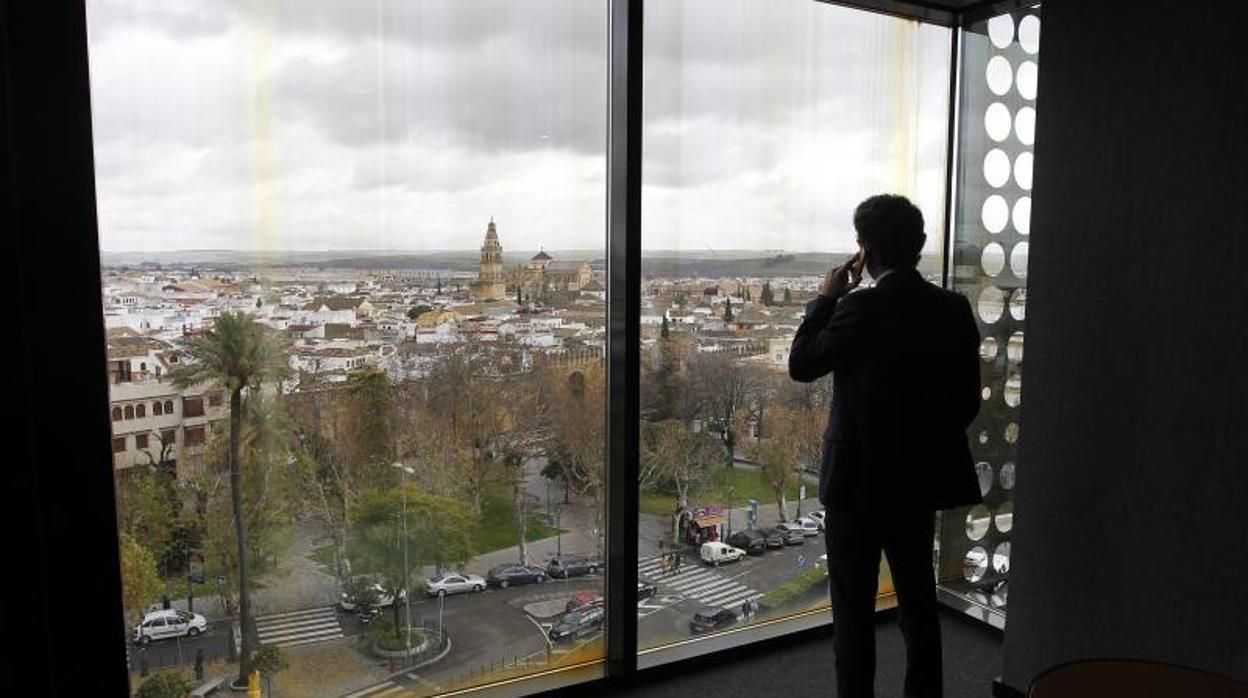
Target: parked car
[(584, 599), (821, 517), (793, 533), (362, 591), (774, 538), (714, 552), (158, 625), (573, 625), (751, 542), (572, 566), (710, 618), (454, 583), (504, 576), (809, 526)]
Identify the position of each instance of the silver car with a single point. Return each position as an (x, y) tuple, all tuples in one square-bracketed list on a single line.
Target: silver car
[(454, 583)]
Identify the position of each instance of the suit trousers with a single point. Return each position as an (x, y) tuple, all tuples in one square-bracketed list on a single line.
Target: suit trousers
[(855, 540)]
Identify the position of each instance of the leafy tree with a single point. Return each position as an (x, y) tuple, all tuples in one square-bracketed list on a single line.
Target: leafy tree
[(236, 354), (788, 295), (140, 582), (767, 296), (518, 300), (778, 453), (722, 388), (269, 660), (681, 458), (164, 684), (147, 508), (417, 310), (259, 303), (663, 331), (727, 310)]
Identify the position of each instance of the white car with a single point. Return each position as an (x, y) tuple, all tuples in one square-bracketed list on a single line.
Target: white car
[(809, 526), (821, 517), (454, 583), (715, 552), (384, 598), (158, 625)]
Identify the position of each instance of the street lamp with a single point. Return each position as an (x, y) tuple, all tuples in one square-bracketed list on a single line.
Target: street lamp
[(404, 471)]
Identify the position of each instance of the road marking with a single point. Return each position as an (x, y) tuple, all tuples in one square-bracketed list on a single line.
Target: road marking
[(299, 627), (385, 688)]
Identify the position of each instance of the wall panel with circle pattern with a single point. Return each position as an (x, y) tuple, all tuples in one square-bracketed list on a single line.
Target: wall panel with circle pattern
[(992, 214)]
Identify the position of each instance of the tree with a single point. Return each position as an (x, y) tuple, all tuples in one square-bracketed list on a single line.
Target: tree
[(259, 303), (788, 295), (767, 297), (778, 453), (518, 299), (681, 458), (147, 508), (236, 354), (721, 388), (727, 310), (664, 333), (269, 660), (578, 438), (164, 684), (140, 582), (417, 310)]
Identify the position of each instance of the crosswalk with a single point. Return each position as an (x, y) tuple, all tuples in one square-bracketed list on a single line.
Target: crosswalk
[(385, 689), (299, 627), (694, 581)]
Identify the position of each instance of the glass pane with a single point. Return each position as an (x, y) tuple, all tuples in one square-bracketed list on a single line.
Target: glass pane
[(385, 222), (765, 124), (992, 224)]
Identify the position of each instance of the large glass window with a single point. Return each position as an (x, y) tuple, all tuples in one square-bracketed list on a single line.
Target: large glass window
[(372, 234), (996, 136), (764, 126)]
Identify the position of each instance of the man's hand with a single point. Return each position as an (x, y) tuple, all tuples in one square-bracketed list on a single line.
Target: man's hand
[(842, 279)]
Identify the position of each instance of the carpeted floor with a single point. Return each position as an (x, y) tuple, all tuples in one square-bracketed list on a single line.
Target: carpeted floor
[(972, 655)]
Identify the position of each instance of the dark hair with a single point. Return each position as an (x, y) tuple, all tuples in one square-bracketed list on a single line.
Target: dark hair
[(891, 228)]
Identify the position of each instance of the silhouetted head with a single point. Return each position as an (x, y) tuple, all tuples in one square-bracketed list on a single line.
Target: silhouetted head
[(890, 230)]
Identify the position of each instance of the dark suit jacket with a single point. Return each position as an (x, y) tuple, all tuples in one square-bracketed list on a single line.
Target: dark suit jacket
[(904, 360)]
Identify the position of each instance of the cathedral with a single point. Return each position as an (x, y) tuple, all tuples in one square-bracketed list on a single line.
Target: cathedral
[(490, 284), (541, 274)]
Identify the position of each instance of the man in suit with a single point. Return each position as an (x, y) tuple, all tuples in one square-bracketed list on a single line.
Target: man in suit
[(905, 368)]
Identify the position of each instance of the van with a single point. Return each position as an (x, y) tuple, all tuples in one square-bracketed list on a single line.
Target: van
[(715, 552)]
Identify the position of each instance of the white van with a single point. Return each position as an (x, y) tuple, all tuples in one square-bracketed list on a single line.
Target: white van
[(715, 552)]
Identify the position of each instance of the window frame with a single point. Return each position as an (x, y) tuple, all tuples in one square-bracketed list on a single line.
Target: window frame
[(48, 141)]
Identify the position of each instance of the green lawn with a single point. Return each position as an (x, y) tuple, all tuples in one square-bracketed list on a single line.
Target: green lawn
[(497, 528), (743, 484)]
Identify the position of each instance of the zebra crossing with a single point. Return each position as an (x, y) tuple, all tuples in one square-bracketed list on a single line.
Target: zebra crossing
[(299, 627), (694, 581), (381, 690)]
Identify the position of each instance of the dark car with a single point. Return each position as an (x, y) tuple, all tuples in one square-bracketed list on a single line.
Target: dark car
[(711, 618), (504, 576), (566, 566), (646, 589), (751, 542), (793, 534), (573, 625), (774, 538)]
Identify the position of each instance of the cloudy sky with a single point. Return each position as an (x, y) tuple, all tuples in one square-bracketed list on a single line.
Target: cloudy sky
[(407, 124)]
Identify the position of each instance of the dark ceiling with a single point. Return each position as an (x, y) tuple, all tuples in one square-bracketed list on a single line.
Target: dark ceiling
[(944, 12)]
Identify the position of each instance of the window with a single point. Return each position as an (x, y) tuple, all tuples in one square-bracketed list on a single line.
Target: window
[(764, 125), (129, 411), (157, 408), (117, 414), (140, 441), (140, 411), (193, 436), (119, 444), (192, 406), (214, 398), (168, 406)]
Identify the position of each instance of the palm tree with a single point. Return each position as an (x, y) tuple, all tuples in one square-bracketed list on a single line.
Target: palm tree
[(235, 354)]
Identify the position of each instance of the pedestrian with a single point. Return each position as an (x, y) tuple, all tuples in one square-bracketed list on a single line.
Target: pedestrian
[(680, 560), (879, 425), (745, 608), (199, 664)]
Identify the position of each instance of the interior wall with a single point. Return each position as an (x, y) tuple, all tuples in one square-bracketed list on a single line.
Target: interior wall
[(1132, 490)]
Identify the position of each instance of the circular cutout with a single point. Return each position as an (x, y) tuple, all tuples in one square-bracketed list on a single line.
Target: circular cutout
[(1001, 558), (1029, 34), (983, 471), (1022, 169), (1014, 348), (997, 121), (1011, 432), (986, 393), (975, 564), (1001, 30), (1022, 215), (978, 520), (995, 213), (1013, 392), (992, 259), (1001, 593), (996, 167), (1018, 303), (988, 348), (1018, 260), (1005, 517), (1028, 75), (999, 75), (991, 304), (1007, 476), (1025, 125)]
